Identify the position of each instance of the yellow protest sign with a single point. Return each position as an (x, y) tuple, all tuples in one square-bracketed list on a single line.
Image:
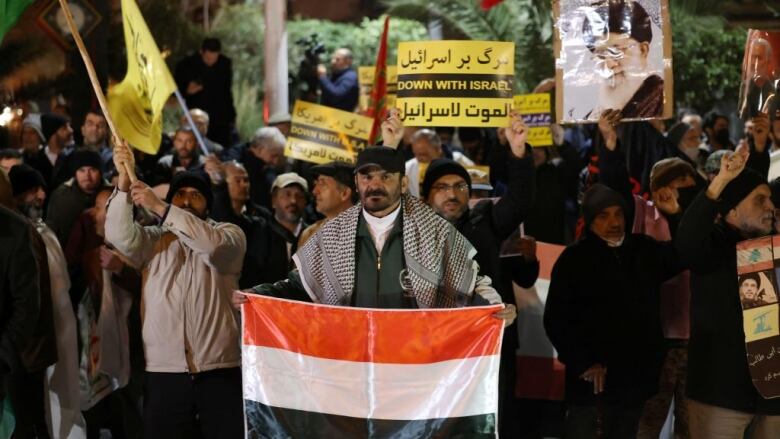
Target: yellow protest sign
[(322, 134), (455, 83), (535, 109), (366, 79), (137, 102)]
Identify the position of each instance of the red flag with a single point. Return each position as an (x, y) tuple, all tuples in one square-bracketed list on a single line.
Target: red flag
[(487, 4), (376, 103)]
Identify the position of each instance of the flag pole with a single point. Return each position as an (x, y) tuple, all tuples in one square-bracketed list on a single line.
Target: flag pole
[(95, 84), (195, 131)]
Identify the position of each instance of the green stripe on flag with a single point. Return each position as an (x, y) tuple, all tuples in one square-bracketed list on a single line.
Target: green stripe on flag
[(10, 11)]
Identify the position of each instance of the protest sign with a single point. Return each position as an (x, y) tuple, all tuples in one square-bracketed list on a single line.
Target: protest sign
[(320, 134), (330, 371), (535, 109), (366, 79), (612, 55), (455, 83), (758, 267), (760, 75)]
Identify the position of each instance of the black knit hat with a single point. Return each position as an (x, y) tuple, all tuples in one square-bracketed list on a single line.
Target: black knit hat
[(439, 168), (598, 198), (84, 157), (193, 179), (50, 123), (25, 177), (739, 188)]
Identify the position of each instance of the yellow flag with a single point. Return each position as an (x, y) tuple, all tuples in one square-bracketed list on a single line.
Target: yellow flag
[(137, 102)]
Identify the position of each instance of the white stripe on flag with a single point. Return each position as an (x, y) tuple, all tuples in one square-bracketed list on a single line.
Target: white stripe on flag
[(447, 389)]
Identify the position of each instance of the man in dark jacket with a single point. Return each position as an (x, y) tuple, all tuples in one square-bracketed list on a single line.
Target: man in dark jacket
[(52, 160), (260, 156), (340, 89), (722, 400), (602, 315), (446, 188), (205, 79)]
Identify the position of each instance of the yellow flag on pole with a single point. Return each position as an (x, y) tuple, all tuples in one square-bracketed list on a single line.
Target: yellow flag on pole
[(136, 103)]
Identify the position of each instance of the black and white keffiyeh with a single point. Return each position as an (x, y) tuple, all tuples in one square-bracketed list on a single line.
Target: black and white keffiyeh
[(440, 267)]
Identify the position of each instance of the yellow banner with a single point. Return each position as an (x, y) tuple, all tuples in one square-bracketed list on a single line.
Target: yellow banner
[(366, 79), (536, 109), (455, 83), (137, 102), (322, 134)]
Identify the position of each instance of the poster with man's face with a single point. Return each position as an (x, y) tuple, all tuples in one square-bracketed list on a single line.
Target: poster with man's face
[(612, 55), (760, 75)]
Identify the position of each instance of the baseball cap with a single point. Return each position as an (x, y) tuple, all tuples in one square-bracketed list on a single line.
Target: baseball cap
[(339, 171), (389, 159), (287, 179)]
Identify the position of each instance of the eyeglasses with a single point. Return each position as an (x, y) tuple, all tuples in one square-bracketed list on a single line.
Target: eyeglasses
[(611, 52), (460, 187)]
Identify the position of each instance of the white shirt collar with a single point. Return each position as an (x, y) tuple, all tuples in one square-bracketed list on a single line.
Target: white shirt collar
[(380, 227)]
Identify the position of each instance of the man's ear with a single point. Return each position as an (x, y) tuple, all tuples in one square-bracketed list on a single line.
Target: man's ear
[(644, 48)]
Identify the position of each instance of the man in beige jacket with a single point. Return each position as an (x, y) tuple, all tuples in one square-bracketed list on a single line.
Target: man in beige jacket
[(190, 266)]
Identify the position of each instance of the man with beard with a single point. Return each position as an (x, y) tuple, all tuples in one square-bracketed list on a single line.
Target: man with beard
[(736, 206), (340, 89), (758, 87), (94, 132), (190, 265), (618, 33), (378, 248), (51, 161), (334, 192), (185, 156), (447, 187), (75, 195), (716, 127)]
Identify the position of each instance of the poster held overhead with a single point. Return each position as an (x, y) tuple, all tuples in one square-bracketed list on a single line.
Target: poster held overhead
[(760, 75)]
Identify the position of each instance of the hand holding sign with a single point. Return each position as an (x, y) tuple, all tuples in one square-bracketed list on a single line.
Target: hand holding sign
[(608, 123), (392, 129), (517, 134)]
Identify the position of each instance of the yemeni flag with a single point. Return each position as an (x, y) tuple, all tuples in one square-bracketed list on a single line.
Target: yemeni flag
[(319, 371), (10, 11), (539, 373), (376, 102)]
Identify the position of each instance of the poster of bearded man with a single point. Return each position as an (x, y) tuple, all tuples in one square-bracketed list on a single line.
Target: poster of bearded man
[(760, 75), (612, 55)]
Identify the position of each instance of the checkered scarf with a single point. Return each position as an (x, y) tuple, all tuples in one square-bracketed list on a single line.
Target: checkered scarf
[(440, 268)]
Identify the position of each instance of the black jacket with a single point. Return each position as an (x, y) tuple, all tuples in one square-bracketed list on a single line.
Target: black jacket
[(19, 289), (261, 174), (603, 307), (718, 372), (340, 90), (266, 259), (216, 97), (53, 175)]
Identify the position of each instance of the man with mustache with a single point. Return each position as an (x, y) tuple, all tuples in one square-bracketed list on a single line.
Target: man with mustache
[(190, 264), (736, 206), (376, 249), (618, 33)]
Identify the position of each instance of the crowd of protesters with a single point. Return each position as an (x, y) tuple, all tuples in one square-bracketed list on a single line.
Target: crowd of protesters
[(120, 296)]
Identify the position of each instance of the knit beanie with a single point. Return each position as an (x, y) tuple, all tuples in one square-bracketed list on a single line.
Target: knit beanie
[(439, 168), (193, 179), (25, 177), (676, 133), (50, 123), (33, 120), (739, 188), (84, 157), (598, 198)]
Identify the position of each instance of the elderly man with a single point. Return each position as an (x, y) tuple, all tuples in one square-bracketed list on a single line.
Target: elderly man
[(427, 146), (388, 251), (75, 195), (201, 120), (619, 33), (334, 192), (190, 265), (736, 206), (758, 88), (340, 89), (261, 157)]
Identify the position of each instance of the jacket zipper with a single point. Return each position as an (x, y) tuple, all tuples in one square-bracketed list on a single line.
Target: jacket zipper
[(378, 275)]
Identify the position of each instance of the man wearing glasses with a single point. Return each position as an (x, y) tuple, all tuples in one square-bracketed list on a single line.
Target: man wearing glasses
[(618, 33)]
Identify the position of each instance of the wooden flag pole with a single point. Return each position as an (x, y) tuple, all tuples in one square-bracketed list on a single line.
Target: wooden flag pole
[(96, 85)]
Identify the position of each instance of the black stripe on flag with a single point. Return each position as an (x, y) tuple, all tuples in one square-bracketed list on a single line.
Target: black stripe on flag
[(455, 85), (269, 422)]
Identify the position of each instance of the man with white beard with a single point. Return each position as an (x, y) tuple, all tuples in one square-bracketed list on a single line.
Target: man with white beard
[(618, 33)]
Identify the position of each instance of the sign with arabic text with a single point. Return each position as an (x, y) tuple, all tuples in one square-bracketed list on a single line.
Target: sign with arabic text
[(322, 134), (366, 79), (455, 83), (535, 109)]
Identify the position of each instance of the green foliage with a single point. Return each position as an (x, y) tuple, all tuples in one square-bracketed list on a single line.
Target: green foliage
[(527, 23), (707, 60)]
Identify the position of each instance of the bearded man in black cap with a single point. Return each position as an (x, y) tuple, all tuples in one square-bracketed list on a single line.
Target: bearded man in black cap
[(190, 266), (376, 250), (603, 317), (52, 160), (722, 400), (76, 195)]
